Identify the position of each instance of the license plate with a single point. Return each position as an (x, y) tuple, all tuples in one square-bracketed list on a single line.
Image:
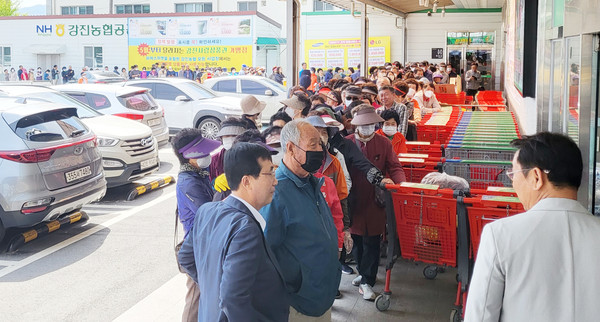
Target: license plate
[(154, 122), (148, 163), (78, 174)]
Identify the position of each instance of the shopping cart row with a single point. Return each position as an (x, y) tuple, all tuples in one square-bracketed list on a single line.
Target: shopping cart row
[(442, 228)]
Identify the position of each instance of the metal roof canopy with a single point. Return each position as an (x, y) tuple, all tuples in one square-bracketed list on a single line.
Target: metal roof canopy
[(395, 7)]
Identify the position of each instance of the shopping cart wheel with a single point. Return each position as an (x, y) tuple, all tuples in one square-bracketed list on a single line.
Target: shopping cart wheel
[(382, 302), (455, 316), (430, 272)]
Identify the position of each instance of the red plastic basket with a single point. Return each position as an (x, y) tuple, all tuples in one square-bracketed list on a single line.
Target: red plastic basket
[(426, 227)]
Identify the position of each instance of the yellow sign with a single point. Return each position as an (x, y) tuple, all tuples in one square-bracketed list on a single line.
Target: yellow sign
[(201, 56), (326, 53)]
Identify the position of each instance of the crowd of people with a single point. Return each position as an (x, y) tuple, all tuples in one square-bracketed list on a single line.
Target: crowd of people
[(302, 198), (274, 218)]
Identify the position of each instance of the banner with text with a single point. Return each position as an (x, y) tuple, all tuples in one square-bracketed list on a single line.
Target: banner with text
[(325, 53), (206, 41)]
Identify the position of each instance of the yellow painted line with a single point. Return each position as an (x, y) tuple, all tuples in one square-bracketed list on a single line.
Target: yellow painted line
[(168, 180), (75, 217), (53, 225), (154, 185), (30, 235), (141, 189)]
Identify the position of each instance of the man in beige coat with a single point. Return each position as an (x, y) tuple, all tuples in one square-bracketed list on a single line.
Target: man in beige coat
[(541, 265)]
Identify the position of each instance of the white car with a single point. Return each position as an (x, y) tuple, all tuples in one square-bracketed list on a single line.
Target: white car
[(262, 88), (128, 149), (134, 103), (189, 104)]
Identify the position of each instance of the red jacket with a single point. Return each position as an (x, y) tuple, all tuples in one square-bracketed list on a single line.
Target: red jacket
[(333, 201), (398, 141), (368, 219)]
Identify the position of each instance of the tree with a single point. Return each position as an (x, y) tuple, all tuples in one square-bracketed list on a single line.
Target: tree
[(9, 8)]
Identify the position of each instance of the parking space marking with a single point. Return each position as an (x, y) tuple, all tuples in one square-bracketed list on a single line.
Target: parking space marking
[(8, 263), (48, 251)]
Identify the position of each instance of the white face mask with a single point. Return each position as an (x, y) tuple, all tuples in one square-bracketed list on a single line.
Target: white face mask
[(449, 69), (228, 142), (204, 162), (428, 93), (290, 111), (366, 130), (411, 93), (389, 130), (348, 102)]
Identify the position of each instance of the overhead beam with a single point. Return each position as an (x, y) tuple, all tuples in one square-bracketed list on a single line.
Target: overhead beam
[(384, 7)]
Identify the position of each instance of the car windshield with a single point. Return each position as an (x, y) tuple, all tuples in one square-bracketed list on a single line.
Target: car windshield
[(83, 111), (274, 83), (197, 90)]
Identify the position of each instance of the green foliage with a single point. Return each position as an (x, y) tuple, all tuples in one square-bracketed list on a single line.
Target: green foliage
[(9, 8)]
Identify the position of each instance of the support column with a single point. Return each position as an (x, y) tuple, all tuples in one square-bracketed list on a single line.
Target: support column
[(364, 39), (293, 41)]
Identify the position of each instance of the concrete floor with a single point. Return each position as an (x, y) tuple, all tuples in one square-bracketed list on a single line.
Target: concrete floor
[(414, 298)]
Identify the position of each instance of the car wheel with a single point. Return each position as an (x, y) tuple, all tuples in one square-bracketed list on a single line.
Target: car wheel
[(209, 126)]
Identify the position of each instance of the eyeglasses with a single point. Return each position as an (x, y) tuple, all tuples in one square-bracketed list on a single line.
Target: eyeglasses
[(511, 174), (270, 173)]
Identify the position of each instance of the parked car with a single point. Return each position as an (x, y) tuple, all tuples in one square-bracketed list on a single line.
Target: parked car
[(102, 77), (134, 103), (263, 88), (189, 104), (128, 149), (50, 162)]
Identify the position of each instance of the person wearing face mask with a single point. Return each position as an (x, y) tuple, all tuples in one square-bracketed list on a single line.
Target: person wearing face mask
[(230, 129), (368, 218), (193, 190), (406, 92), (299, 226), (444, 71), (297, 106), (390, 131), (353, 93), (251, 109), (427, 100), (250, 136)]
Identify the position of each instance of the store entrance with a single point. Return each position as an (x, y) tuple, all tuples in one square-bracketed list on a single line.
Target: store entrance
[(461, 57)]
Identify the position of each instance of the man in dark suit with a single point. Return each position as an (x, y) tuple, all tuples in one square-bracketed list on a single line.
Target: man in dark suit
[(225, 251)]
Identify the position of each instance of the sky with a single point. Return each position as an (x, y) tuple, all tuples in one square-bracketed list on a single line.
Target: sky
[(30, 3)]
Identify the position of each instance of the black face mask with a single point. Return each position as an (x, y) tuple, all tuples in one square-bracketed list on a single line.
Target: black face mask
[(314, 160)]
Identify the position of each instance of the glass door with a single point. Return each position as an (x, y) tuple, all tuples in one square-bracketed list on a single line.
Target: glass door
[(483, 56)]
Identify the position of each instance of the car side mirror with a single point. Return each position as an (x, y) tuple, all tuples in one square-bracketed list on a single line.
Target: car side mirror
[(269, 92), (182, 98)]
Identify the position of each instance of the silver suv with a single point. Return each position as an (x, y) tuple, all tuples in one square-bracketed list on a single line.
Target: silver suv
[(49, 160)]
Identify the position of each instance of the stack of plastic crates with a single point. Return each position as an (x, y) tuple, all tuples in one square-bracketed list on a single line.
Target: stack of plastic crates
[(425, 224), (417, 166), (483, 207), (434, 149), (437, 127), (491, 101), (451, 99)]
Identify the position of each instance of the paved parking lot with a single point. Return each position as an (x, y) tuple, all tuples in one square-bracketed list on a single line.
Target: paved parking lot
[(120, 265)]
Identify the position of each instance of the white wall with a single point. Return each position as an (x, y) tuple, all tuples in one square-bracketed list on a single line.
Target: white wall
[(424, 33)]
